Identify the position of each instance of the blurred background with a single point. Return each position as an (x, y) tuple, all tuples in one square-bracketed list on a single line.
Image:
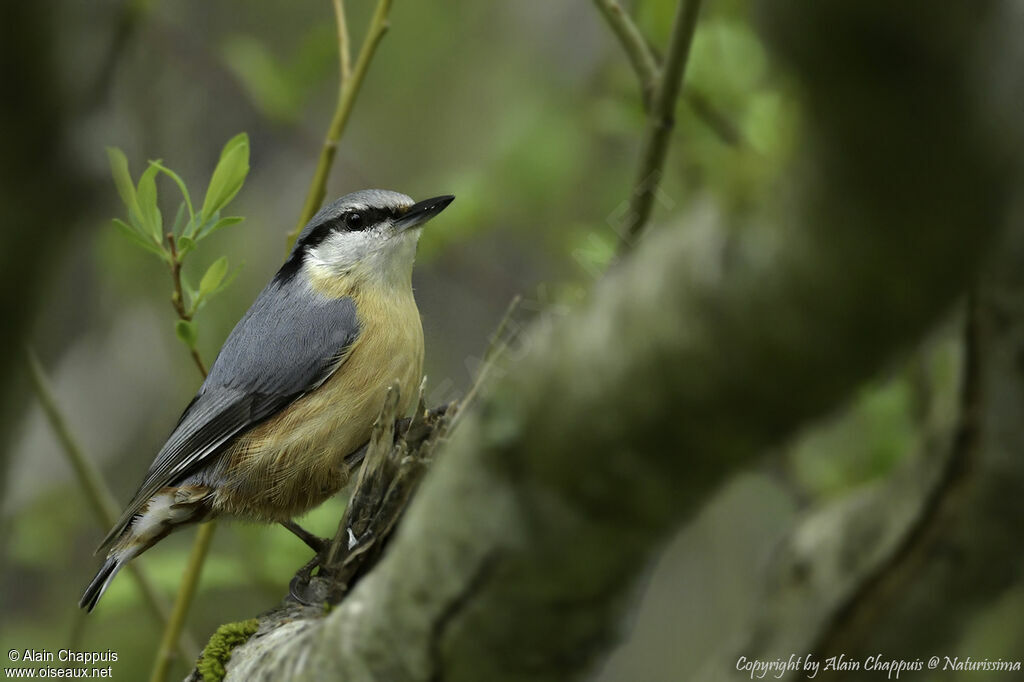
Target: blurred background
[(529, 114)]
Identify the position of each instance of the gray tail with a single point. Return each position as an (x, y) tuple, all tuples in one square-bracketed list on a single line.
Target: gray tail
[(100, 583)]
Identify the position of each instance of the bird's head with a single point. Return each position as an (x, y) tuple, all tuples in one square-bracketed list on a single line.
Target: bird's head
[(368, 236)]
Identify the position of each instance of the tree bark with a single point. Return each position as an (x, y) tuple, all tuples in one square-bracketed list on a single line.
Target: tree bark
[(521, 550)]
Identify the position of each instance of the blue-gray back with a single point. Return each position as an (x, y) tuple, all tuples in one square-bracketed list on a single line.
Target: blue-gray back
[(288, 343)]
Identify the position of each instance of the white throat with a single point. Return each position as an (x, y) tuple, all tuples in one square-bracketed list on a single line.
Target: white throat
[(365, 258)]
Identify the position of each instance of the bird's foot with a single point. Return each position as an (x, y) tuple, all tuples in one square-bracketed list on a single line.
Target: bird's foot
[(315, 542), (303, 588), (332, 579)]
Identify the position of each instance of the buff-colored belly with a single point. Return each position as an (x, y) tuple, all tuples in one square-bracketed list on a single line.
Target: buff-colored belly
[(295, 460)]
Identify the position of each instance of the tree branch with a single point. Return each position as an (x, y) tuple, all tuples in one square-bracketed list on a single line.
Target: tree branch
[(828, 577), (860, 575), (204, 536), (344, 51), (178, 300), (633, 42), (347, 92), (182, 602), (660, 121), (550, 497), (970, 550)]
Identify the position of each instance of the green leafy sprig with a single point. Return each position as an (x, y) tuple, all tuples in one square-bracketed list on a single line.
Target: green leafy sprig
[(145, 227)]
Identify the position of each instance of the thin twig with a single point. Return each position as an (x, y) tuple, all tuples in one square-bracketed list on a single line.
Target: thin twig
[(178, 300), (98, 495), (201, 545), (494, 350), (633, 42), (177, 296), (344, 51), (347, 92), (186, 591), (648, 71), (716, 120), (660, 122), (199, 361)]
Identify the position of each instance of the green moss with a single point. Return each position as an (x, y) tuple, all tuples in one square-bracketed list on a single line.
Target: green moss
[(218, 650)]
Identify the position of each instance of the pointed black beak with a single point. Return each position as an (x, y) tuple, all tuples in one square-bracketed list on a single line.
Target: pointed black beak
[(422, 211)]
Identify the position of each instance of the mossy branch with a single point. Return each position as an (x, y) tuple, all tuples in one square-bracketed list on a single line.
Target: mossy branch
[(519, 554)]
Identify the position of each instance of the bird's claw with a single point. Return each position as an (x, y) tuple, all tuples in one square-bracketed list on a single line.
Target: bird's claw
[(302, 587)]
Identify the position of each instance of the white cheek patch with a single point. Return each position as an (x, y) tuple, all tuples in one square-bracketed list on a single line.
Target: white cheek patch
[(370, 255), (342, 251)]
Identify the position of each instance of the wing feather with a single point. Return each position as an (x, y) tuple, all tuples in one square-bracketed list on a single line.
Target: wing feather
[(289, 342)]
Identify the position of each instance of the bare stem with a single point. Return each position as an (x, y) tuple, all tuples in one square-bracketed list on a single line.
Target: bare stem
[(177, 297), (186, 591), (98, 495), (660, 121), (347, 92), (344, 51), (494, 349), (633, 42), (178, 300), (201, 545), (648, 72)]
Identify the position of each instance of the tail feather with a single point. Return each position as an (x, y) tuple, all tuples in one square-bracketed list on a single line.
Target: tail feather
[(171, 508), (100, 582)]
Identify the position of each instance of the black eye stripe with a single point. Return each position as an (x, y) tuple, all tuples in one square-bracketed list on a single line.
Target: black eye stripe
[(370, 217), (367, 218), (320, 232)]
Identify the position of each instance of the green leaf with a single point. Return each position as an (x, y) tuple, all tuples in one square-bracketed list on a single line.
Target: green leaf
[(179, 220), (149, 211), (186, 331), (124, 184), (137, 237), (228, 176), (191, 295), (185, 244), (199, 226), (213, 277), (179, 182), (215, 225), (229, 279), (122, 178)]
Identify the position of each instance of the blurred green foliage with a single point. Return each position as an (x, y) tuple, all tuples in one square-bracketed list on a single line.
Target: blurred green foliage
[(528, 113), (280, 87)]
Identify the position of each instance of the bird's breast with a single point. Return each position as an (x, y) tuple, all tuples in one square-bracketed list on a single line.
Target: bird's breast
[(294, 460)]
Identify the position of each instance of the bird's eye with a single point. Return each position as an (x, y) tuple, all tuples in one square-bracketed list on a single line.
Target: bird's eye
[(354, 221)]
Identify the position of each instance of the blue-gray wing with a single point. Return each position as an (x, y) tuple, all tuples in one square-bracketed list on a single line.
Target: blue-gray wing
[(288, 343)]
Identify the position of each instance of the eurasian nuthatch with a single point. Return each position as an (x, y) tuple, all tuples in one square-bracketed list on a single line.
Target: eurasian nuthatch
[(296, 386)]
